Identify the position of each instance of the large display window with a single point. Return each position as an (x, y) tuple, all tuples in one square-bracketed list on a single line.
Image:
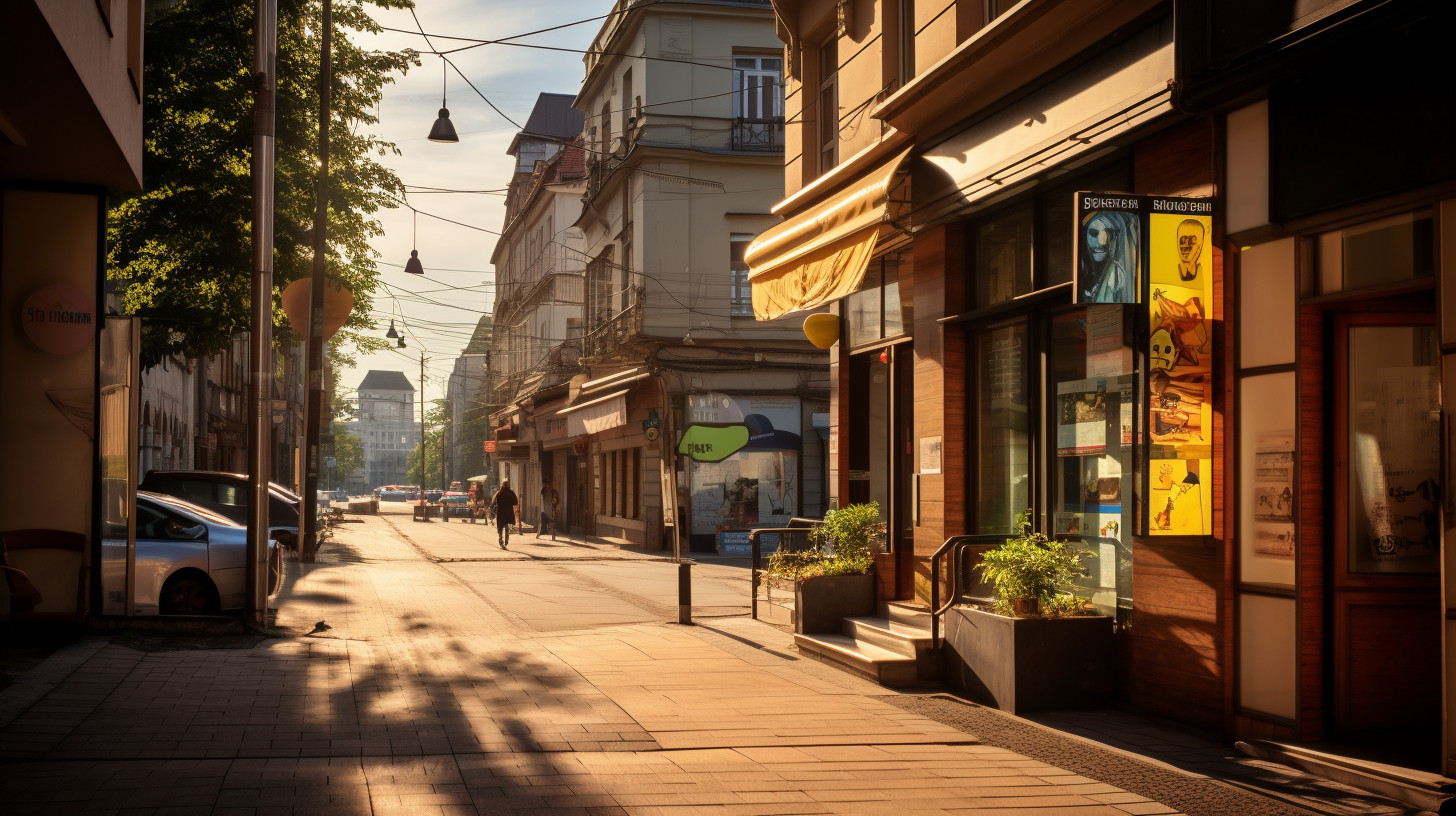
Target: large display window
[(743, 468)]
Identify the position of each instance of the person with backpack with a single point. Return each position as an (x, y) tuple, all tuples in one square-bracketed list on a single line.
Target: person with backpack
[(504, 504)]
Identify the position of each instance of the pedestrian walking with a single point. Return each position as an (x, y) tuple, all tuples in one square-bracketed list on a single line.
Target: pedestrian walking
[(504, 504), (549, 500)]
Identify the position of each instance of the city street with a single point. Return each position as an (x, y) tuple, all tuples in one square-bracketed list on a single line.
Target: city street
[(418, 668)]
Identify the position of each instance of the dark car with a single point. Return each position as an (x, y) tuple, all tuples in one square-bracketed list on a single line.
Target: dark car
[(227, 494)]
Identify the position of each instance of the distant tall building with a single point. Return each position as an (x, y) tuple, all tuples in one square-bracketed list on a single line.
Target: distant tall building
[(388, 426)]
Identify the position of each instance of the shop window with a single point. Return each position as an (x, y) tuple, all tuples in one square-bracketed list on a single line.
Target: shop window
[(876, 312), (1002, 466), (1003, 258), (621, 473), (1379, 253)]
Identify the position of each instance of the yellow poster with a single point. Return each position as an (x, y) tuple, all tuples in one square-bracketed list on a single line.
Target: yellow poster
[(1180, 365)]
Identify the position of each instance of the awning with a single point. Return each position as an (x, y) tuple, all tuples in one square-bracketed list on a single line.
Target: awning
[(595, 416), (1084, 111), (820, 255)]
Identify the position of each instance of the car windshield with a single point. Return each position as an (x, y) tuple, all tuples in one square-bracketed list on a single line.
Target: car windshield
[(174, 503)]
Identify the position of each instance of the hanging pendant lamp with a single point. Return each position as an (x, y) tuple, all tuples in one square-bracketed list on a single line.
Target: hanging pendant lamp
[(392, 333), (400, 344), (444, 130), (413, 265)]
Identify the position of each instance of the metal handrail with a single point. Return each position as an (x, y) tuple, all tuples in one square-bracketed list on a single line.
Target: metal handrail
[(959, 548), (797, 526)]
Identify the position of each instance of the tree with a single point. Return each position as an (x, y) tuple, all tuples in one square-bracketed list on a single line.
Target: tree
[(348, 453), (182, 247), (437, 428)]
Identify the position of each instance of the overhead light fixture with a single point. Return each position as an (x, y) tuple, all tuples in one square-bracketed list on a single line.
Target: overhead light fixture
[(688, 338), (392, 333), (444, 130), (400, 344), (413, 265)]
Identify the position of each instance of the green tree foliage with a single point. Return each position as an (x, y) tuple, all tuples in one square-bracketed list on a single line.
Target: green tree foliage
[(182, 248), (348, 452), (437, 430)]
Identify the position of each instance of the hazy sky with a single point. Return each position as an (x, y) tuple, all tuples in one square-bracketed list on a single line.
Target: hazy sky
[(437, 314)]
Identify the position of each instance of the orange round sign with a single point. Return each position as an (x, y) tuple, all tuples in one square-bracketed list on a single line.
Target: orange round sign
[(490, 446)]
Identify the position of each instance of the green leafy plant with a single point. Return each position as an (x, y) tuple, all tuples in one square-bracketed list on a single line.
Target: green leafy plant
[(1034, 574), (844, 544)]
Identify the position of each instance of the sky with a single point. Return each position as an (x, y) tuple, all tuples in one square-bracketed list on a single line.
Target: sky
[(437, 313)]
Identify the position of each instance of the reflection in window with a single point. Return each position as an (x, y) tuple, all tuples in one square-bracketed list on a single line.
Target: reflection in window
[(1003, 440), (1003, 258), (875, 312), (1381, 252)]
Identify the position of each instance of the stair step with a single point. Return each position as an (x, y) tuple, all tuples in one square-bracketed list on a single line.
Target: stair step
[(1424, 790), (907, 615), (894, 637), (866, 660)]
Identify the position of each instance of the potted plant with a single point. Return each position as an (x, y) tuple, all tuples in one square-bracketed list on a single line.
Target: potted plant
[(1039, 647), (833, 576)]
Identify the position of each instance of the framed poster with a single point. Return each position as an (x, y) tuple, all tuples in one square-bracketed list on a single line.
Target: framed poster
[(1108, 248)]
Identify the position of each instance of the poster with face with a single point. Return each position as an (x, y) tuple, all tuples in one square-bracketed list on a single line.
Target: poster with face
[(1180, 365), (1108, 248)]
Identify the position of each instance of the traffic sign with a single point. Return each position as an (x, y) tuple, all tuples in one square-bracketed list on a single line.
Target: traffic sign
[(490, 446)]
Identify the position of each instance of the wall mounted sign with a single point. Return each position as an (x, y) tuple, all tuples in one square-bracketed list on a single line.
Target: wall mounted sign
[(1109, 243), (1179, 298), (59, 319)]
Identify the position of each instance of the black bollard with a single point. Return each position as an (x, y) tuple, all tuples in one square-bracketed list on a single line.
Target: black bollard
[(685, 593)]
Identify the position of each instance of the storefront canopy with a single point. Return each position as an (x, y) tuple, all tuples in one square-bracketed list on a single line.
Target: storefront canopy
[(820, 255), (595, 416)]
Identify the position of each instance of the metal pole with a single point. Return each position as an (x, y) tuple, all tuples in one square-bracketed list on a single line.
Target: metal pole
[(260, 336), (424, 514), (312, 414)]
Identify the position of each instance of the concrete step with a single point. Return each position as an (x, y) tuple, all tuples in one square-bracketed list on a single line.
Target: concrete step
[(857, 657), (904, 615), (888, 635), (1426, 791)]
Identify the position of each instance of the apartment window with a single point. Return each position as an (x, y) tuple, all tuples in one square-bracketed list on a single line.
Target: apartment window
[(627, 111), (740, 302), (828, 112), (758, 87), (606, 127)]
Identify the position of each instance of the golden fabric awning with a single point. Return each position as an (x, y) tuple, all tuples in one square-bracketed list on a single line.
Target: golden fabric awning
[(820, 255)]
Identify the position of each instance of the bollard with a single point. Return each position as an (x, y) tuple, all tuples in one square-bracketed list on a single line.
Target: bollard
[(685, 593)]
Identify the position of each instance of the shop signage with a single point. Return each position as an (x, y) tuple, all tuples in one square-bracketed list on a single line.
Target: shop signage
[(490, 446), (709, 443), (59, 319)]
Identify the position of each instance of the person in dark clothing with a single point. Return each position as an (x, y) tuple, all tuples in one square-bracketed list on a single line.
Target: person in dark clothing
[(504, 503)]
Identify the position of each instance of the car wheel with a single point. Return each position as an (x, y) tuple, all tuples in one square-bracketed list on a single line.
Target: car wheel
[(188, 595)]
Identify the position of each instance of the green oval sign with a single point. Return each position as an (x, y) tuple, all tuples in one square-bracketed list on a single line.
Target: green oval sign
[(709, 443)]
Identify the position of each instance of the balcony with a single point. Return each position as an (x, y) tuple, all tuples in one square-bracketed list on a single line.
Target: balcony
[(607, 335), (758, 134)]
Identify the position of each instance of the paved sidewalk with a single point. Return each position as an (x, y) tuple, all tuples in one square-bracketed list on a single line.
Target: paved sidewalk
[(417, 695)]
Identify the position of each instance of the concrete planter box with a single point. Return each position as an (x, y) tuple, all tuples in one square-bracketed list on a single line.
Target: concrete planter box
[(821, 604), (1029, 664)]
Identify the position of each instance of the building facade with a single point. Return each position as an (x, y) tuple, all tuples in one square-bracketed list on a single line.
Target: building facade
[(1131, 266), (387, 426), (70, 133), (683, 138)]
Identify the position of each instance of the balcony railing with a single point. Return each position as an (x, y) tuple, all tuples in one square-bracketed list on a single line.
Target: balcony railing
[(606, 335), (758, 134)]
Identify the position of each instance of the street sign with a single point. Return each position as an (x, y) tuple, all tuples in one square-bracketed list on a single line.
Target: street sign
[(490, 446), (331, 463)]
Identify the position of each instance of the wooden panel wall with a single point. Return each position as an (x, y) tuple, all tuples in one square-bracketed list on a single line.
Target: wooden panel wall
[(1175, 651), (940, 390)]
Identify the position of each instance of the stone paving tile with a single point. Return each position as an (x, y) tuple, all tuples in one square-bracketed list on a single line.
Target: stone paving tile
[(424, 697)]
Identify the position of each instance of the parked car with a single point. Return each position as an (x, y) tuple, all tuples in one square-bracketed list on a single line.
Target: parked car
[(456, 505), (339, 494), (189, 559), (227, 495), (433, 496), (395, 494)]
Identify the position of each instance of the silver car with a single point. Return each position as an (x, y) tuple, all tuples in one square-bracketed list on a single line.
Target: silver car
[(189, 560)]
